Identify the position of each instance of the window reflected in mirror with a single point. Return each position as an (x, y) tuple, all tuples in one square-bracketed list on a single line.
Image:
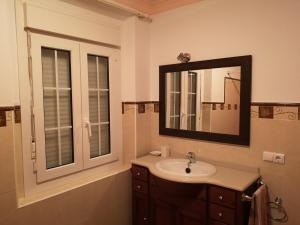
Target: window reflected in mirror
[(205, 100)]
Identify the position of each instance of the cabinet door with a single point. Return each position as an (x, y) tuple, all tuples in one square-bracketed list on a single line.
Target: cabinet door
[(140, 209), (162, 213), (193, 212)]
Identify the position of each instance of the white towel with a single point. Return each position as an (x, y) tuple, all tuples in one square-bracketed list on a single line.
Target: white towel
[(259, 207)]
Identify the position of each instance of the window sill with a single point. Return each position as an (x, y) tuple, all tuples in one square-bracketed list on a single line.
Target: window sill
[(37, 196)]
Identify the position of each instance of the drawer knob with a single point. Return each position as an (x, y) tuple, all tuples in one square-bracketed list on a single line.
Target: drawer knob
[(138, 174), (145, 218), (138, 187), (220, 214), (220, 197)]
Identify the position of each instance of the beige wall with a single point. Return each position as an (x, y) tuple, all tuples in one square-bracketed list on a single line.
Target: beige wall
[(135, 60), (8, 57), (269, 30)]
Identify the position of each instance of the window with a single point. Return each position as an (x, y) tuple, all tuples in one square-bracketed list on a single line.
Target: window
[(174, 94), (192, 103), (182, 95), (75, 115)]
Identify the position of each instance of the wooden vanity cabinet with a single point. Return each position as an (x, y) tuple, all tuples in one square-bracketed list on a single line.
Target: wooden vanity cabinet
[(161, 202), (140, 195)]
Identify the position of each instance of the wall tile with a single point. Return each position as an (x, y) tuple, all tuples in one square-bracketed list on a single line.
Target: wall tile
[(266, 112), (285, 113), (254, 112), (7, 181), (8, 204)]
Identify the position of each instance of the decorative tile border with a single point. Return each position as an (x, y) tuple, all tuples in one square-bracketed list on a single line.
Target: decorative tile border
[(277, 111), (141, 107), (262, 110)]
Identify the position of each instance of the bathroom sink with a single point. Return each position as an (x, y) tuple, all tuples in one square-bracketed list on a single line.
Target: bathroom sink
[(178, 167)]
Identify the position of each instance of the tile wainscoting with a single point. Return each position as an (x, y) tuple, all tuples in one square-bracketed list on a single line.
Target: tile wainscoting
[(274, 129), (66, 208)]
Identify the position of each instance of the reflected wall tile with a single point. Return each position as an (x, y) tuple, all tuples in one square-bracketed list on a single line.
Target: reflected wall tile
[(141, 108), (2, 118), (156, 107)]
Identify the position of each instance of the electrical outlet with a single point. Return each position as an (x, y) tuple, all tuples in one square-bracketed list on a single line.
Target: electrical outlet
[(279, 158), (268, 156)]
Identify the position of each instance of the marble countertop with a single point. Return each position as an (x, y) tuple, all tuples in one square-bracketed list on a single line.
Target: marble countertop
[(235, 177)]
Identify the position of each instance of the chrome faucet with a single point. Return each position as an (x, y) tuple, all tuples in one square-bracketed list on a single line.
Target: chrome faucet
[(191, 157)]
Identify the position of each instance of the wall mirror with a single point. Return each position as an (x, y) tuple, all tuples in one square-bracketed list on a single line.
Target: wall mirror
[(208, 100)]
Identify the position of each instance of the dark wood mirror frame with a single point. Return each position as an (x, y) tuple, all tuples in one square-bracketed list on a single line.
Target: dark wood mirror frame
[(245, 62)]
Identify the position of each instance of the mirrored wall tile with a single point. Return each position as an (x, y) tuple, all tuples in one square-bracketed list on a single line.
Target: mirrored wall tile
[(141, 108), (156, 107), (285, 113), (9, 115), (214, 106), (129, 108), (266, 112), (149, 107), (2, 118), (206, 107), (17, 116)]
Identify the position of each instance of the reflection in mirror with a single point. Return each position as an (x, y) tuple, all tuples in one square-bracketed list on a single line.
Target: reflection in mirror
[(205, 100)]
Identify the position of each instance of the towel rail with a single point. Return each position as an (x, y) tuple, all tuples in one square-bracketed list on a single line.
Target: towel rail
[(275, 205), (247, 198)]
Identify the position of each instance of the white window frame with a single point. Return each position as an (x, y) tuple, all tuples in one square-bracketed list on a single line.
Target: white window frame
[(91, 28), (114, 104), (39, 41), (80, 105)]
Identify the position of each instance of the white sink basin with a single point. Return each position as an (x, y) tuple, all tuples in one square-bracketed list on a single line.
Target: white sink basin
[(178, 167)]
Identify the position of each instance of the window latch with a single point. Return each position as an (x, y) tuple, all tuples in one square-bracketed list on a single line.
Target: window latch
[(87, 125)]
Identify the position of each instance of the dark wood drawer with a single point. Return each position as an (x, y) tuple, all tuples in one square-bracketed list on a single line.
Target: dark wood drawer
[(140, 186), (139, 172), (221, 214), (222, 196)]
